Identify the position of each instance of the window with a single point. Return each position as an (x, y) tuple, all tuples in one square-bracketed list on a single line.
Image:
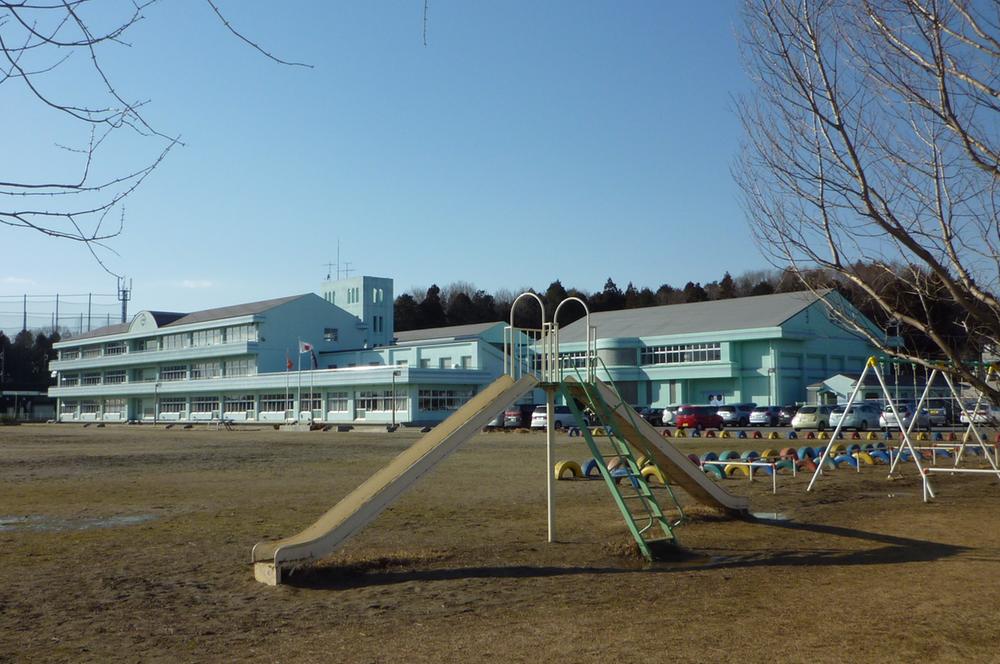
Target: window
[(466, 361), (206, 337), (310, 401), (89, 407), (91, 379), (330, 334), (437, 400), (115, 348), (143, 345), (177, 372), (576, 359), (374, 296), (336, 402), (67, 407), (707, 352), (69, 380), (401, 363), (91, 351), (239, 404), (173, 404), (425, 363), (275, 403), (114, 377), (243, 366), (444, 363), (241, 334), (114, 406), (203, 404), (380, 401), (175, 341), (204, 370), (69, 354)]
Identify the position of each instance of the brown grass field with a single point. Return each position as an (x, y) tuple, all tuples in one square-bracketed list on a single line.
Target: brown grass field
[(132, 544)]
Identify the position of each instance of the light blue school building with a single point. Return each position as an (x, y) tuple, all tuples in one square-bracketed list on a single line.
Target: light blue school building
[(242, 363)]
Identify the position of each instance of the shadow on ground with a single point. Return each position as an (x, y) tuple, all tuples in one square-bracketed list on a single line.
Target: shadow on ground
[(894, 550)]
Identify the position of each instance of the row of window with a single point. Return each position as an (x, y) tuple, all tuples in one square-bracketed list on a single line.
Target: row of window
[(704, 352), (244, 366), (198, 338), (439, 400)]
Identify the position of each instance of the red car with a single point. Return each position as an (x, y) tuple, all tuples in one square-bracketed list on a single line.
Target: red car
[(704, 417)]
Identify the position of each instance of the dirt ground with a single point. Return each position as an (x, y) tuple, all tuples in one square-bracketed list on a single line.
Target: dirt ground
[(132, 544)]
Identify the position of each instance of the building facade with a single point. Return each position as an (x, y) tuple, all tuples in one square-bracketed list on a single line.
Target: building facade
[(243, 363)]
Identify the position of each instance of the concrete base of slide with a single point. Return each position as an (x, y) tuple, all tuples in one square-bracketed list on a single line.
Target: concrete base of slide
[(361, 506)]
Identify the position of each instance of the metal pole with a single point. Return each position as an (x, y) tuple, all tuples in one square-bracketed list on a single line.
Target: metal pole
[(89, 299), (24, 317), (395, 373), (56, 326), (550, 484), (156, 402)]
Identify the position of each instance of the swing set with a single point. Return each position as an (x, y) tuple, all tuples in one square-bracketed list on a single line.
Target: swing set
[(907, 449)]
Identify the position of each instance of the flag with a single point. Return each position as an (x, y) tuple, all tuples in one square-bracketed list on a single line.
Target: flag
[(305, 347), (288, 362), (315, 360)]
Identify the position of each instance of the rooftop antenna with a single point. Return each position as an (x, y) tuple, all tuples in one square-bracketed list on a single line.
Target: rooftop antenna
[(124, 295)]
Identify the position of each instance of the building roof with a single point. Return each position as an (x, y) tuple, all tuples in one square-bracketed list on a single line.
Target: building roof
[(449, 332), (166, 319), (694, 317)]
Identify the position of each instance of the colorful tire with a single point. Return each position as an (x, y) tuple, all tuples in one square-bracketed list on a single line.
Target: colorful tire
[(823, 436), (871, 435), (806, 452), (855, 436), (709, 456), (774, 435), (837, 448), (792, 435), (878, 456), (590, 468), (694, 459), (571, 467), (741, 434), (807, 465), (642, 461), (680, 434), (757, 435), (724, 434), (853, 447), (789, 453), (810, 436), (865, 458), (784, 464), (652, 472), (666, 433), (710, 434), (729, 455), (732, 469), (770, 453), (713, 470), (749, 455)]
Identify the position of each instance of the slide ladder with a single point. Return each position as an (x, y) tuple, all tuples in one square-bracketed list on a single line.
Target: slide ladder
[(643, 516), (643, 437), (356, 510)]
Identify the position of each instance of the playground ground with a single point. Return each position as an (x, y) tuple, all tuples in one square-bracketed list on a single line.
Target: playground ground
[(130, 544)]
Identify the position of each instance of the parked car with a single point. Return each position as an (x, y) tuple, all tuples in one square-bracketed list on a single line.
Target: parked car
[(786, 414), (907, 411), (812, 417), (668, 415), (518, 416), (496, 422), (704, 417), (941, 413), (859, 416), (562, 416), (736, 414), (652, 415), (983, 414), (765, 416)]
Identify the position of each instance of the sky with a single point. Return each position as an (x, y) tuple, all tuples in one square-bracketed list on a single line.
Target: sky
[(526, 142)]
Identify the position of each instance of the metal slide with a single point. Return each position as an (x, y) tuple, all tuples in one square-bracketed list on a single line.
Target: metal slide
[(674, 463), (361, 506)]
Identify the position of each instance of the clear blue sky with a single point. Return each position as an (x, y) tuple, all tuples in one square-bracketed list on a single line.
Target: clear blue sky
[(528, 141)]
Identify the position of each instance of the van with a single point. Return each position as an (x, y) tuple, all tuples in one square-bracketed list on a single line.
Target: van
[(562, 416)]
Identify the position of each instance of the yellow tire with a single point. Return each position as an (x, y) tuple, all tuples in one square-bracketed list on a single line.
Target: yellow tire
[(922, 436), (725, 434), (731, 469), (871, 436), (652, 472), (774, 435), (642, 461), (598, 432), (571, 467), (770, 453), (680, 434), (865, 458), (822, 436), (836, 448)]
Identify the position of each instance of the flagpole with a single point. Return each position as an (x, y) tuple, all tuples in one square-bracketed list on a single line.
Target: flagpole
[(312, 388), (298, 398), (287, 362)]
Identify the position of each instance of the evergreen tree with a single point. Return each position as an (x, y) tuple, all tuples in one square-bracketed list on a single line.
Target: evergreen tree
[(693, 292), (406, 313)]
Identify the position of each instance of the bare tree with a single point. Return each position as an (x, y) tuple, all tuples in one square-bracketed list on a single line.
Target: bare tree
[(39, 40), (873, 139)]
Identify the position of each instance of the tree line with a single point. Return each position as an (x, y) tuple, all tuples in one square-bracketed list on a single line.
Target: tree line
[(461, 303), (24, 362)]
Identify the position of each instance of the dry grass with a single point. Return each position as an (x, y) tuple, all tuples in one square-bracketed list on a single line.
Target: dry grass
[(132, 544)]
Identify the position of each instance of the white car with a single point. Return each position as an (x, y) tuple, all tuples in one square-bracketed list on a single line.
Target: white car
[(736, 415), (887, 419), (984, 414), (562, 416), (859, 416), (668, 415), (765, 416)]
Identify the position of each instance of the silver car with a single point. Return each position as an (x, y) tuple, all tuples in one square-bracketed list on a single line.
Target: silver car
[(906, 412), (859, 416)]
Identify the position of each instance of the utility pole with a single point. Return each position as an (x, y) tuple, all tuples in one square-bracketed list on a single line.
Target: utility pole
[(24, 313), (90, 297), (124, 295)]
